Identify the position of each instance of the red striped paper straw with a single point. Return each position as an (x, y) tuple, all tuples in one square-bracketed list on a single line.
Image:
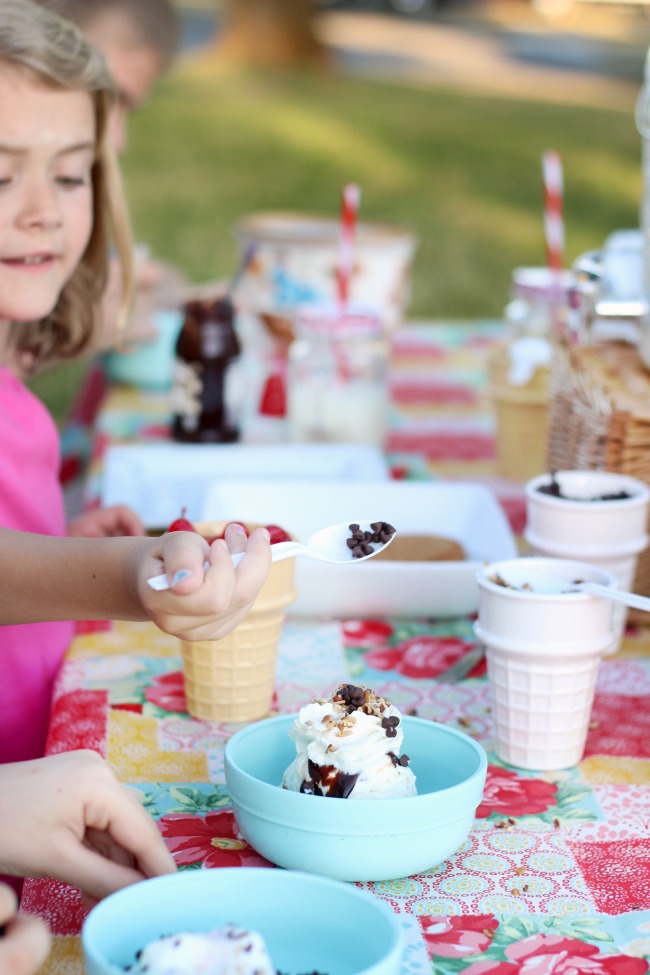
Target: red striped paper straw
[(553, 209), (350, 198)]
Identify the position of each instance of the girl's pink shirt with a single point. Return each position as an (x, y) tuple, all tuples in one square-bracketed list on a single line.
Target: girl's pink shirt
[(31, 500)]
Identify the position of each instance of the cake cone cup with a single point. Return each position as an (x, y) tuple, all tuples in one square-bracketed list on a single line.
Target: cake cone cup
[(233, 679)]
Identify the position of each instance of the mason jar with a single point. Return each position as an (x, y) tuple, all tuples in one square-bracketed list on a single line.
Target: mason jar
[(337, 383)]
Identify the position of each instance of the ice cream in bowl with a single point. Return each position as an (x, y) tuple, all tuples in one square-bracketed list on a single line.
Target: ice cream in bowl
[(241, 921), (352, 789)]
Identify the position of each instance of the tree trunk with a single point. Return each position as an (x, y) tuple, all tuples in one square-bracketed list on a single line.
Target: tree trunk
[(270, 33)]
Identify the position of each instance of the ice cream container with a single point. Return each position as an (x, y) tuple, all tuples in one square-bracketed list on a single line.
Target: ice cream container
[(150, 365), (363, 839), (543, 652), (578, 525), (608, 533), (232, 679), (308, 923)]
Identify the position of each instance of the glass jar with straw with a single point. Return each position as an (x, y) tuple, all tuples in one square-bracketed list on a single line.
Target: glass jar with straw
[(337, 377), (338, 362)]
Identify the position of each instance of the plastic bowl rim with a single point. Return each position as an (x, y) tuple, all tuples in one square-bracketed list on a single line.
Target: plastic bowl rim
[(88, 936), (394, 804)]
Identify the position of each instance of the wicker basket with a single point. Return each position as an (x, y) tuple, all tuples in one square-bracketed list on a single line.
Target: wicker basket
[(599, 419)]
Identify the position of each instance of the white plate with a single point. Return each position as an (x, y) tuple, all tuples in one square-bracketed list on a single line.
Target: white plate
[(468, 513), (157, 480)]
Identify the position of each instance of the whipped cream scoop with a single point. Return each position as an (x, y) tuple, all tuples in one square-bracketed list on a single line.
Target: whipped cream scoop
[(229, 950), (349, 747)]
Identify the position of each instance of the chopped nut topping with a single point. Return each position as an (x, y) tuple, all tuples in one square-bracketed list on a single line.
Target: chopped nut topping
[(343, 732)]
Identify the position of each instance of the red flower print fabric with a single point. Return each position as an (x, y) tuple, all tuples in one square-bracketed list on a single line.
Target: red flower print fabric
[(458, 937), (421, 656), (547, 954), (167, 691), (366, 633), (512, 795), (617, 873), (213, 841)]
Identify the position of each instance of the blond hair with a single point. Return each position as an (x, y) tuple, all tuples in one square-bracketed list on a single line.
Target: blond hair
[(54, 52)]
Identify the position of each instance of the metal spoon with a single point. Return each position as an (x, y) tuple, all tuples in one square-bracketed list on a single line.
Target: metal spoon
[(549, 585), (326, 545)]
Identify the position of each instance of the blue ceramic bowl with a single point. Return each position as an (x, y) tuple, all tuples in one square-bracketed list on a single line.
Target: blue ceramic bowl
[(308, 923), (350, 839), (151, 364)]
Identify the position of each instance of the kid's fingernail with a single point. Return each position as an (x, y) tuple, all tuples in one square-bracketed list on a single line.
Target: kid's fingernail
[(180, 575), (238, 528)]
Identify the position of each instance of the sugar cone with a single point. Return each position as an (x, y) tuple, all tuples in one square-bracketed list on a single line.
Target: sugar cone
[(233, 679)]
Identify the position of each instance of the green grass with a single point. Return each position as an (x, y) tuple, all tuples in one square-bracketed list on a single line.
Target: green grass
[(461, 170)]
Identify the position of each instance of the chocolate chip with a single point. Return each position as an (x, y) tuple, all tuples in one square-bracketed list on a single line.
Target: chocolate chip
[(351, 695), (363, 548), (403, 760), (310, 789), (390, 726)]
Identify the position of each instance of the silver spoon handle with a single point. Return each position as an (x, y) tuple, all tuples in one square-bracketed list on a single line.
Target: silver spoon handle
[(631, 599)]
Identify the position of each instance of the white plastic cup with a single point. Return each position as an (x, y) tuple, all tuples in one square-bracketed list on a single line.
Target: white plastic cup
[(610, 534), (543, 651)]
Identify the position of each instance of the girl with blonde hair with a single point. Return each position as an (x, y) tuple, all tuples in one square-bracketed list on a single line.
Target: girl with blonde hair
[(62, 212)]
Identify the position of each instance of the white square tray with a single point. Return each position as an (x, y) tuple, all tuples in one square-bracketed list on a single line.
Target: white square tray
[(468, 513), (158, 480)]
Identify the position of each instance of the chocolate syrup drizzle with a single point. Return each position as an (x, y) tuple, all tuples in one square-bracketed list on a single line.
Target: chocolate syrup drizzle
[(339, 784)]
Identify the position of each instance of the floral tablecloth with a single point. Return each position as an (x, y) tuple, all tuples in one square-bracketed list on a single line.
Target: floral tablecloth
[(555, 875)]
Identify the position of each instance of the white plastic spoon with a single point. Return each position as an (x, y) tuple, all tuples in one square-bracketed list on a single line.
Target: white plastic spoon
[(326, 545), (549, 585)]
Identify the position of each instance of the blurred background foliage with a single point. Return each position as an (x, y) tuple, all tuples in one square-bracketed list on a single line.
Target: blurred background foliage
[(229, 133)]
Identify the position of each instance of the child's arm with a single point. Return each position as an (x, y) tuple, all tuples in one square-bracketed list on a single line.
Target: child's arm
[(118, 519), (47, 578), (67, 816)]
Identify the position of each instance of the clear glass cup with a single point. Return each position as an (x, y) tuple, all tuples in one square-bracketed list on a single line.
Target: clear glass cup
[(337, 377)]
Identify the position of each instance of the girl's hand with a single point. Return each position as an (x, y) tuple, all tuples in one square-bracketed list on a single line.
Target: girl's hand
[(25, 942), (204, 605), (118, 520), (77, 823)]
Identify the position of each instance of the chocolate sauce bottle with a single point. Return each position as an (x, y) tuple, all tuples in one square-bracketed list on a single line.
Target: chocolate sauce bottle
[(206, 345)]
